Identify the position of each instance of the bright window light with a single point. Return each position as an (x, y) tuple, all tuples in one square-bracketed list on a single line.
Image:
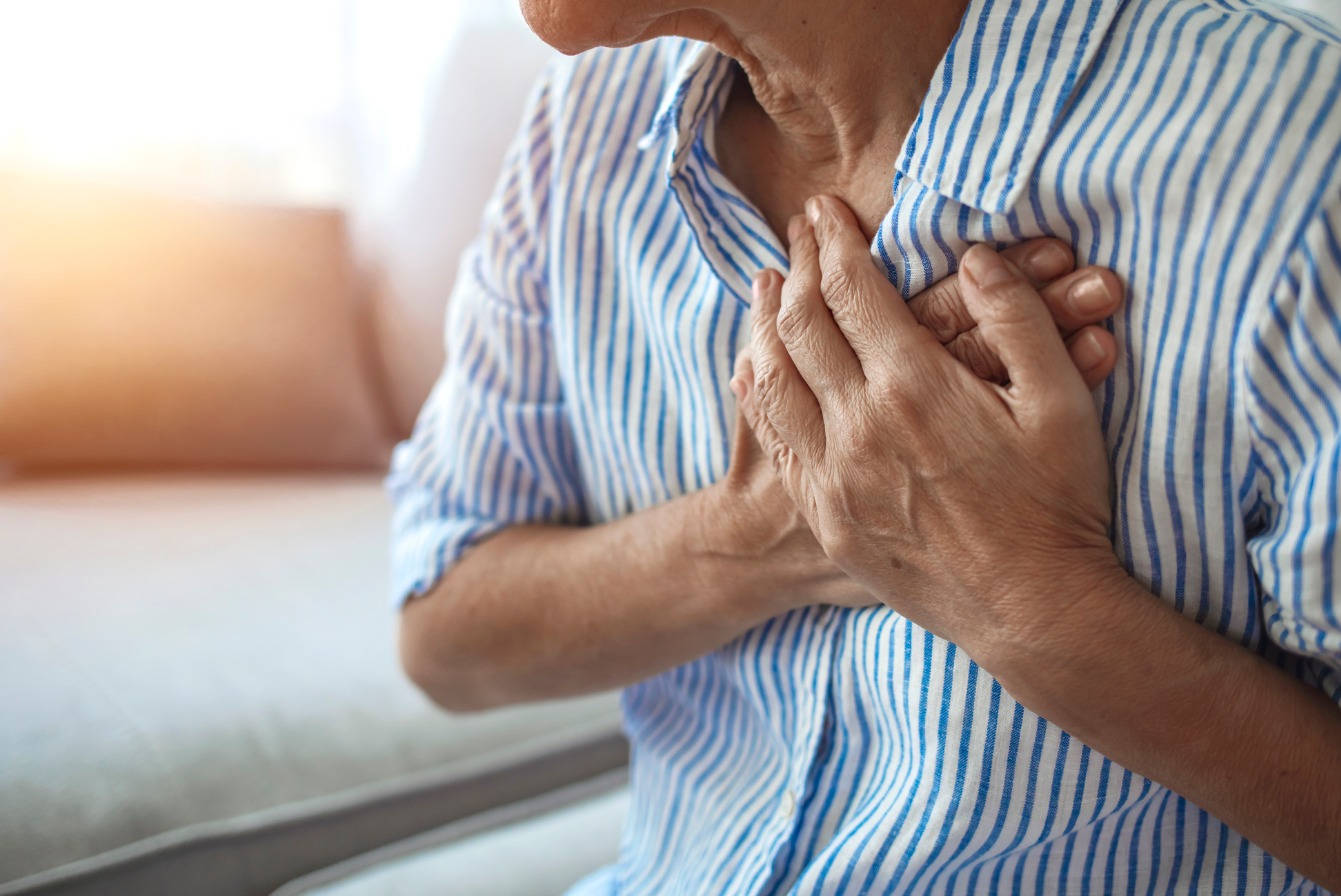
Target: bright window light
[(245, 96)]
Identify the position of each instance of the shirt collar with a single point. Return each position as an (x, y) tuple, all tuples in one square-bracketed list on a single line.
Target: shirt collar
[(696, 73), (997, 95), (991, 108)]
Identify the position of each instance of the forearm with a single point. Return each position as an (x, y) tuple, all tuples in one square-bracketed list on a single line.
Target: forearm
[(540, 612), (1205, 717)]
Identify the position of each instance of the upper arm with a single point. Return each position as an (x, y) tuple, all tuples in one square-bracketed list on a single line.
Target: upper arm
[(1294, 394), (492, 446)]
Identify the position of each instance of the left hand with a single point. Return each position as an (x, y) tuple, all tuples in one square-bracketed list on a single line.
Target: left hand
[(963, 504)]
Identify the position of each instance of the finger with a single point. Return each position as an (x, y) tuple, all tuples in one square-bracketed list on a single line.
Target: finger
[(765, 437), (1042, 260), (1017, 327), (1075, 302), (806, 327), (870, 313), (1085, 297), (1093, 351), (940, 308), (970, 350), (780, 393)]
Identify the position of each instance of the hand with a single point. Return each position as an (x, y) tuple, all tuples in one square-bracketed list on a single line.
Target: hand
[(1077, 300), (961, 503), (760, 524), (763, 524)]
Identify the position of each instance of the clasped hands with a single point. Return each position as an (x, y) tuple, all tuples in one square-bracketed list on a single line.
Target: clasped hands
[(944, 453)]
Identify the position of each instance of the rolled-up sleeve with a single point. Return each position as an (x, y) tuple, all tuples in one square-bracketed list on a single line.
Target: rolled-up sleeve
[(1293, 380), (492, 447)]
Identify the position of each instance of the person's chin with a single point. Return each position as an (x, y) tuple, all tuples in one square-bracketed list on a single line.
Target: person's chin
[(575, 26), (565, 25)]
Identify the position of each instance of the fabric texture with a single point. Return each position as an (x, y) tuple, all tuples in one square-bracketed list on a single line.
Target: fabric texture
[(1191, 147), (202, 693)]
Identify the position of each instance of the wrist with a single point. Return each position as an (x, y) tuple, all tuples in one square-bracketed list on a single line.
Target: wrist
[(729, 546), (1059, 627)]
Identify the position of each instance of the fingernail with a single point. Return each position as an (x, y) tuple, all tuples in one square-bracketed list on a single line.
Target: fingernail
[(737, 387), (756, 287), (1089, 296), (1088, 352), (985, 268), (813, 210), (1048, 261)]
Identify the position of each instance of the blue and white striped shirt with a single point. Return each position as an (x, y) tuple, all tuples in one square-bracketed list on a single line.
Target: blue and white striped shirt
[(1190, 145)]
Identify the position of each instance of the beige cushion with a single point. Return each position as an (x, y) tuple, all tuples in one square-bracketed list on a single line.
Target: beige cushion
[(147, 330)]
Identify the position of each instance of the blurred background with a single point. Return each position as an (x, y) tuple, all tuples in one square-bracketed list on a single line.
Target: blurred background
[(184, 184), (296, 101)]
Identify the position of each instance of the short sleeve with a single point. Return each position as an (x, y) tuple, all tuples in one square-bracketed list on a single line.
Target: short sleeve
[(492, 446), (1293, 376)]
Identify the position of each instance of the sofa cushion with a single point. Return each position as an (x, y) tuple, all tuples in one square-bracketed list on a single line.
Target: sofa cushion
[(201, 685), (141, 329), (535, 848)]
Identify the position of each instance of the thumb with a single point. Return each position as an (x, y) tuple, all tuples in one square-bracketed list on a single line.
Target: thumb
[(1015, 323)]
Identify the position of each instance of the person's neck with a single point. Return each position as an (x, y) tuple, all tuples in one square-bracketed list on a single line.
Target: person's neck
[(833, 91)]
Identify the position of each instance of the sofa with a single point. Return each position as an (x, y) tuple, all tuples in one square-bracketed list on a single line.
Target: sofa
[(197, 645)]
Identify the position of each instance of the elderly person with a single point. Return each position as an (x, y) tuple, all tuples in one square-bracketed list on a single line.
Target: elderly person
[(959, 626)]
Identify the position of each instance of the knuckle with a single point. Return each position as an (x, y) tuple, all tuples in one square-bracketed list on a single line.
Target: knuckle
[(837, 281), (1013, 302), (941, 312), (973, 353), (793, 322), (898, 402)]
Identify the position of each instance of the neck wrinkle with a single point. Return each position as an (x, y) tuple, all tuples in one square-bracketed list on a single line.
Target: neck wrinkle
[(836, 82)]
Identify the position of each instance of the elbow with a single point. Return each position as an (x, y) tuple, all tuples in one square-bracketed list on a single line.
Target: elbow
[(439, 668)]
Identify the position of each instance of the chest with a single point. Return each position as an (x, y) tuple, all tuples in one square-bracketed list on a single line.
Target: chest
[(1173, 412), (652, 311), (647, 353)]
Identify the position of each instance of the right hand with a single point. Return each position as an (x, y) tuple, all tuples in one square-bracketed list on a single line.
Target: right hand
[(762, 524)]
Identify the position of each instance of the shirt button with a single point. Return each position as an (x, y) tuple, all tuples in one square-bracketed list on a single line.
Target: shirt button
[(788, 804)]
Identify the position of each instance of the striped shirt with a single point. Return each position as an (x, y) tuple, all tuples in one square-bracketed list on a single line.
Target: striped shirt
[(1190, 145)]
